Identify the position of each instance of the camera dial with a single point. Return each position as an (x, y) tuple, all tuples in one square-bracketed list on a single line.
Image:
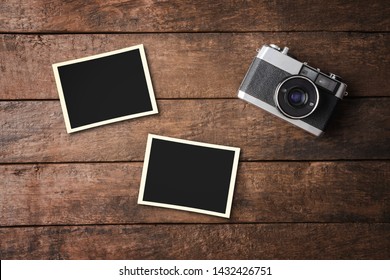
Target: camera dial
[(276, 47), (296, 97), (335, 77)]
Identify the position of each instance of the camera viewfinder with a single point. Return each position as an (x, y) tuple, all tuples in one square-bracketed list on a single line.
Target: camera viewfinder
[(326, 83), (309, 73)]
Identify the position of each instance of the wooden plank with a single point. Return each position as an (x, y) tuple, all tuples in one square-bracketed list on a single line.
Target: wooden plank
[(68, 194), (34, 131), (179, 16), (194, 65), (245, 241)]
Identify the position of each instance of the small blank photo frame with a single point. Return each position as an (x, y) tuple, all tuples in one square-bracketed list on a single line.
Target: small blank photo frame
[(188, 175), (105, 88)]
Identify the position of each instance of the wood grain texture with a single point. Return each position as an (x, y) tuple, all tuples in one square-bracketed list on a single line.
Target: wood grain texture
[(189, 16), (297, 197), (34, 131), (194, 65), (251, 241), (69, 194)]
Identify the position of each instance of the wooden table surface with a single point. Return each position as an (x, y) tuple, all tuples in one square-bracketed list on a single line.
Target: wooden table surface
[(297, 196)]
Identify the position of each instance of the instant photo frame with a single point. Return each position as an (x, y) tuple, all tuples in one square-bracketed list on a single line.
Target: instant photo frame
[(105, 88), (188, 175)]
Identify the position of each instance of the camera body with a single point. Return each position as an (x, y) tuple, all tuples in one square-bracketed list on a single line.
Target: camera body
[(291, 90)]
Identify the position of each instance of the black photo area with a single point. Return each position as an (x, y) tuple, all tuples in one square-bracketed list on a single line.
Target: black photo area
[(188, 175), (105, 88)]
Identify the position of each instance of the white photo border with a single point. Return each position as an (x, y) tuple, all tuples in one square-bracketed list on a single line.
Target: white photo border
[(195, 143), (152, 97)]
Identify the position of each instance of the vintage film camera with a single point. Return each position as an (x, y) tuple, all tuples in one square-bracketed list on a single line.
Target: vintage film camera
[(291, 90)]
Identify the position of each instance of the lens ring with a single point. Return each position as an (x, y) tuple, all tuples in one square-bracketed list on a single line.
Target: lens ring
[(296, 97)]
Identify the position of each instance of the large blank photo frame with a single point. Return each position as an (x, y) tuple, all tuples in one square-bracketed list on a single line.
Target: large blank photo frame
[(105, 88), (188, 175)]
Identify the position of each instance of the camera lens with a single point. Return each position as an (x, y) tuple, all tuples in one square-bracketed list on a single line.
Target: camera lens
[(296, 97)]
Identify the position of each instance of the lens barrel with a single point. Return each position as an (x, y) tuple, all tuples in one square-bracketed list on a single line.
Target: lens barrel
[(296, 97)]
